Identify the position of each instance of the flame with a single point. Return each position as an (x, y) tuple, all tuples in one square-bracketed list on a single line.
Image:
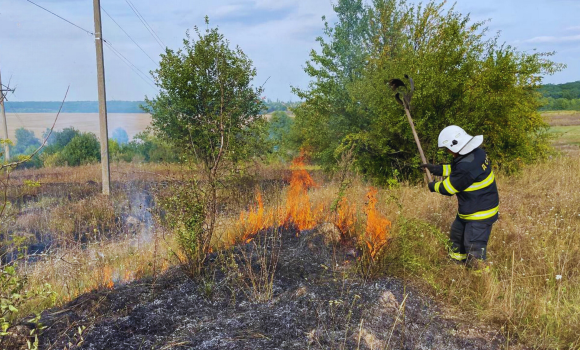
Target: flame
[(345, 218), (108, 277), (377, 230), (298, 209), (254, 221), (128, 276)]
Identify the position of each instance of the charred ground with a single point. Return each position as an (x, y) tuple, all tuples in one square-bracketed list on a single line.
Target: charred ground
[(316, 302)]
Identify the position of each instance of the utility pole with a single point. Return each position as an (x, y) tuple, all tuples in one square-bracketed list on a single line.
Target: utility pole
[(106, 176), (4, 123)]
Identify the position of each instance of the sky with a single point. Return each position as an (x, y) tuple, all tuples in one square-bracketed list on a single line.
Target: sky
[(41, 54)]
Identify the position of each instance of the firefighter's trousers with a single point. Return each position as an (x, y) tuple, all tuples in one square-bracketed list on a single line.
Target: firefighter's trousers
[(469, 239)]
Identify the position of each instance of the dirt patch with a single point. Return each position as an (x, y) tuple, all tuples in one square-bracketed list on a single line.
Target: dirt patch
[(317, 302)]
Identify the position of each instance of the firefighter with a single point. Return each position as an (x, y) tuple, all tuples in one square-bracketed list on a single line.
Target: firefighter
[(471, 178)]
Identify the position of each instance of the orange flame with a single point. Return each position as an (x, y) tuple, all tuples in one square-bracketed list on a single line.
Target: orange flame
[(377, 230), (298, 210), (254, 221), (345, 218), (108, 277)]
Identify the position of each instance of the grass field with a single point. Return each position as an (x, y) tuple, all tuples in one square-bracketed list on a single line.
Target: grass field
[(133, 123), (531, 296), (562, 118), (565, 127)]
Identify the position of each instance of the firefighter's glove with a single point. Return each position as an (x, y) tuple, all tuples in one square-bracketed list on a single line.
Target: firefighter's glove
[(431, 186), (431, 167)]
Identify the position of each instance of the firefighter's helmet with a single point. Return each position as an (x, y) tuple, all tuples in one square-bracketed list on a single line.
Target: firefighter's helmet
[(457, 140)]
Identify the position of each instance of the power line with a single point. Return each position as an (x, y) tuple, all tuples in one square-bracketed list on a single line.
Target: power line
[(134, 42), (135, 69), (147, 23), (147, 26), (64, 19), (115, 51)]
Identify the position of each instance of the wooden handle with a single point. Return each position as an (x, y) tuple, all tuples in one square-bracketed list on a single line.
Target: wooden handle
[(423, 159)]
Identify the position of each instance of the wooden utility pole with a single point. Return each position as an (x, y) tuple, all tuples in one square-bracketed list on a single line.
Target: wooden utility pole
[(4, 123), (104, 133)]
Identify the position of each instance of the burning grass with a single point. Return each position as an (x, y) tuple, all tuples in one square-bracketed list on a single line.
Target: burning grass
[(532, 293), (297, 213), (378, 226)]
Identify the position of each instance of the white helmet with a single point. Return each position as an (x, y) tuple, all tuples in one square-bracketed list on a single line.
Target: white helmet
[(457, 140)]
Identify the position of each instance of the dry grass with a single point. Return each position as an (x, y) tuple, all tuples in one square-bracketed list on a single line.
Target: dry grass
[(120, 172), (562, 118), (80, 269), (532, 292)]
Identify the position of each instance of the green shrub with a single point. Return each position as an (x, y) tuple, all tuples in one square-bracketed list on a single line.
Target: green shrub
[(82, 149)]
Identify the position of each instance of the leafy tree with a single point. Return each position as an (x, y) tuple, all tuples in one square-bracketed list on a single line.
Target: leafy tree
[(208, 109), (59, 139), (460, 78), (330, 113), (25, 142), (150, 148), (82, 149), (279, 127), (121, 136)]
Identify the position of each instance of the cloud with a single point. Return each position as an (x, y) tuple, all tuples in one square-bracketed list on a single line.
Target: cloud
[(250, 14), (573, 29), (553, 39)]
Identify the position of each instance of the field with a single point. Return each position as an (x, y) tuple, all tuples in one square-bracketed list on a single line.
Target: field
[(87, 122), (565, 127), (301, 284), (562, 118)]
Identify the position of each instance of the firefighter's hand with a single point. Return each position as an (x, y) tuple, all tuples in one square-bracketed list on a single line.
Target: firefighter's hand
[(431, 167)]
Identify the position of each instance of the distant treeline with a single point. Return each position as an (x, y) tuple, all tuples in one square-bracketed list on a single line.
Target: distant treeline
[(273, 106), (558, 97), (112, 106), (73, 107)]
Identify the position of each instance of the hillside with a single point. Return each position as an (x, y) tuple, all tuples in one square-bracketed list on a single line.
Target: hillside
[(556, 97)]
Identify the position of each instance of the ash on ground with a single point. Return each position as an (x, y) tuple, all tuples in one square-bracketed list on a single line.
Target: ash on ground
[(314, 301)]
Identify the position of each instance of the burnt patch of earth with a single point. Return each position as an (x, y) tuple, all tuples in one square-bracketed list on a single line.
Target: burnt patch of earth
[(314, 301)]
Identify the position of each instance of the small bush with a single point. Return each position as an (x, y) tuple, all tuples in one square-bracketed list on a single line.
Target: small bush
[(82, 149), (183, 212)]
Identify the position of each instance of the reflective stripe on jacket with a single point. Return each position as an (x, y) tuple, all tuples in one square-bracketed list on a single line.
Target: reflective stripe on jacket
[(471, 178)]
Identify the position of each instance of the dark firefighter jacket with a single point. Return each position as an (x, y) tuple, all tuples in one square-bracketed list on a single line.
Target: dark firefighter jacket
[(471, 178)]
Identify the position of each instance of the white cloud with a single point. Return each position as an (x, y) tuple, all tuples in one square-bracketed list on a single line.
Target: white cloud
[(573, 29), (226, 10), (553, 39)]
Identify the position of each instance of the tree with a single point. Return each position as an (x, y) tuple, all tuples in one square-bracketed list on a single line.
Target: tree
[(460, 78), (208, 109), (82, 149), (330, 113), (279, 127), (121, 136), (25, 140), (59, 139)]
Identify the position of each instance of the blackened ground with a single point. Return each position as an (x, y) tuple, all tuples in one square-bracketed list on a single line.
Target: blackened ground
[(317, 303)]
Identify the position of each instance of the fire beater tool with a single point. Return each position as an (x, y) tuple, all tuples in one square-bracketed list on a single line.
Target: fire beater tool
[(407, 93)]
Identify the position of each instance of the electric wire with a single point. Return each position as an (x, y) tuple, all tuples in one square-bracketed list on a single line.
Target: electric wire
[(125, 60), (64, 19), (135, 69), (146, 25), (134, 42)]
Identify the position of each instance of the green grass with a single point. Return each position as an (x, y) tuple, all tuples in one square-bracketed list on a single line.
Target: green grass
[(566, 134)]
